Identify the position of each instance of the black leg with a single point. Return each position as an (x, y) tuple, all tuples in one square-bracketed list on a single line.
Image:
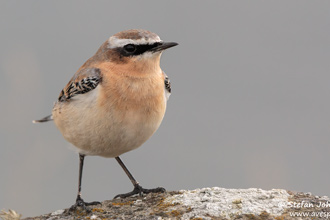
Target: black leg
[(137, 188), (79, 201)]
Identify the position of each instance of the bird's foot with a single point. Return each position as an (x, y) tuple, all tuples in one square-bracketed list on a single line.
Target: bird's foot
[(83, 205), (139, 190)]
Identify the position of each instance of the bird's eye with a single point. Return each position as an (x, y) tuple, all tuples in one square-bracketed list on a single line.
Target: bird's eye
[(130, 48)]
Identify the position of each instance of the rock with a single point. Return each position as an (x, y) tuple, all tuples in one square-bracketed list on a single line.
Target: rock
[(58, 212), (207, 203)]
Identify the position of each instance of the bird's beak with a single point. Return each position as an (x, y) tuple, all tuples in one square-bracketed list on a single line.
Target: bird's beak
[(163, 46)]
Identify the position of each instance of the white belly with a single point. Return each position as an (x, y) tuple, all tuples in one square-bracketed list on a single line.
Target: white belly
[(106, 132)]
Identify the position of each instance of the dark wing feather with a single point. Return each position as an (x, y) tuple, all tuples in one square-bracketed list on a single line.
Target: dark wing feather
[(82, 82), (167, 83)]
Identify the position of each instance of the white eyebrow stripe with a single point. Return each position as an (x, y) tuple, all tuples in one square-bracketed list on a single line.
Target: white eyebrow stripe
[(116, 42)]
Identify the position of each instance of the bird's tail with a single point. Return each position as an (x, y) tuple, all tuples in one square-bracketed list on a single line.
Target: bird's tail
[(45, 119)]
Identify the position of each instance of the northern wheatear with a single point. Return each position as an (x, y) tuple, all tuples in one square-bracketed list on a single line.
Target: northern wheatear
[(115, 101)]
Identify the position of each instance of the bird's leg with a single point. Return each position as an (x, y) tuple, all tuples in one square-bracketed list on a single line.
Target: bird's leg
[(79, 201), (137, 188)]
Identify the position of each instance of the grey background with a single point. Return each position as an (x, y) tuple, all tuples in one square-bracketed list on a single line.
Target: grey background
[(250, 104)]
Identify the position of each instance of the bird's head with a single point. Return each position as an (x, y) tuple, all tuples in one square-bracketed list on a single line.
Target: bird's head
[(136, 48)]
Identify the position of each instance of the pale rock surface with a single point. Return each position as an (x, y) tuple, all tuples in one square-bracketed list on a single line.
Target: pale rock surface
[(219, 202), (207, 203)]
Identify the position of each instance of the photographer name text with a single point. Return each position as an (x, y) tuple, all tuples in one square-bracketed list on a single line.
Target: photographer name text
[(304, 204)]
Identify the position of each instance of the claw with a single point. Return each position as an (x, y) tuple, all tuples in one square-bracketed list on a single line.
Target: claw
[(80, 203), (139, 190)]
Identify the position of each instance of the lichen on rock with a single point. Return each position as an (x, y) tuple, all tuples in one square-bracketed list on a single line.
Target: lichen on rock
[(207, 203)]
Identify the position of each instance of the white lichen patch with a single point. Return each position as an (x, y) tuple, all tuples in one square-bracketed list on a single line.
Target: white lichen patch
[(94, 217), (58, 212), (229, 202)]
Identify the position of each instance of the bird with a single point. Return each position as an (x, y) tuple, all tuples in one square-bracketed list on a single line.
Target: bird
[(115, 102)]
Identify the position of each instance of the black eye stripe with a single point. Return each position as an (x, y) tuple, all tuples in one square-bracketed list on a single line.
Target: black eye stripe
[(140, 49)]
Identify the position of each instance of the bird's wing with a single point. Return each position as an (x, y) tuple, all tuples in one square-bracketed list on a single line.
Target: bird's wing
[(82, 82), (167, 86)]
